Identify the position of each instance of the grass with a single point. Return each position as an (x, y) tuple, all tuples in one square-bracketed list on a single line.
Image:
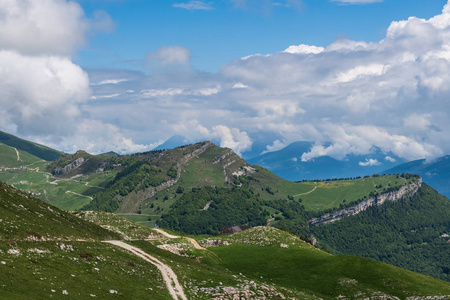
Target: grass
[(299, 270), (8, 157), (25, 217), (126, 228), (328, 194), (92, 269), (39, 184)]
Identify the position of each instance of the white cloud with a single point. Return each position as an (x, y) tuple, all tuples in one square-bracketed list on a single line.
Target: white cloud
[(178, 91), (277, 145), (170, 56), (232, 138), (369, 163), (195, 5), (239, 85), (97, 137), (370, 70), (41, 94), (348, 97), (109, 81), (46, 26), (304, 49), (390, 159)]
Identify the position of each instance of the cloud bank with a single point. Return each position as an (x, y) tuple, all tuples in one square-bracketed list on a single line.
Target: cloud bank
[(346, 97), (42, 92)]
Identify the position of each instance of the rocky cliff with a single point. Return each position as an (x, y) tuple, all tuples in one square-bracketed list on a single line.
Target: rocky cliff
[(404, 191), (73, 165)]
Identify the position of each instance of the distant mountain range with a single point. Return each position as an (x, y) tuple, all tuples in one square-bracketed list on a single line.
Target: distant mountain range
[(201, 188), (287, 163), (435, 173)]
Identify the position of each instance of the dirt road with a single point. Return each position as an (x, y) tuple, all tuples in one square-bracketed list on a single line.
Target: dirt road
[(171, 236), (307, 192), (169, 276)]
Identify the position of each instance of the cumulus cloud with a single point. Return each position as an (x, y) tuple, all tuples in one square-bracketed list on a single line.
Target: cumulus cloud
[(390, 159), (95, 136), (194, 5), (42, 92), (347, 97), (47, 26), (41, 95), (277, 145), (170, 56), (369, 163), (304, 49)]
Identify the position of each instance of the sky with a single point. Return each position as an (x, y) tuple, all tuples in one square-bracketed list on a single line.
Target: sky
[(252, 75)]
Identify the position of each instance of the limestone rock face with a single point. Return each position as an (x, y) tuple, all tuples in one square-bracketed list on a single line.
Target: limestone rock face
[(73, 165), (404, 191)]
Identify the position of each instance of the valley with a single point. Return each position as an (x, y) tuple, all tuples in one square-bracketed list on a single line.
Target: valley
[(73, 260), (198, 189)]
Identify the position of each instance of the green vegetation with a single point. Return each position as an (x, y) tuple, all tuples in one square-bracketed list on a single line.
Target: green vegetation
[(405, 233), (265, 257), (206, 210), (43, 270), (9, 158), (25, 217), (126, 228), (34, 149)]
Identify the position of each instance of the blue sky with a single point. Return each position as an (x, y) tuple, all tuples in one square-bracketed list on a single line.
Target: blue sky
[(253, 75), (226, 31)]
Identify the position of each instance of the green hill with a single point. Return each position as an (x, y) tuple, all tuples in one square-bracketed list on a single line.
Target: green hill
[(34, 149), (411, 233), (60, 254), (24, 217), (274, 263)]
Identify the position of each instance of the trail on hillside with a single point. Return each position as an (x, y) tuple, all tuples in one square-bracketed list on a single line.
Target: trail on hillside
[(306, 192), (18, 155), (169, 276), (79, 194), (171, 236)]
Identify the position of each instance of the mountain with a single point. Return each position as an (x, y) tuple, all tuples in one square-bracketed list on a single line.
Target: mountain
[(201, 188), (412, 233), (172, 142), (27, 218), (287, 163), (66, 255), (435, 173), (43, 152)]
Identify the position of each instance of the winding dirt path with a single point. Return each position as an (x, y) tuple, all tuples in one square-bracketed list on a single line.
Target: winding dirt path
[(18, 155), (67, 192), (171, 236), (169, 276), (306, 192)]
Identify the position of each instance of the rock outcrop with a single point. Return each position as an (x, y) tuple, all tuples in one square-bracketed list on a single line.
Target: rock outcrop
[(73, 165), (404, 191)]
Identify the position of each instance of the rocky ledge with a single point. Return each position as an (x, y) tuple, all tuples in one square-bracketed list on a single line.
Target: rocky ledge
[(404, 191)]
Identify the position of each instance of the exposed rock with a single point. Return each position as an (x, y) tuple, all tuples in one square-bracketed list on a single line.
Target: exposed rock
[(405, 191), (73, 165)]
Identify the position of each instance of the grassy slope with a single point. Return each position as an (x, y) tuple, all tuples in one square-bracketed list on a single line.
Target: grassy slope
[(327, 195), (92, 268), (8, 157), (405, 233), (200, 171), (25, 217), (37, 150), (299, 270)]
